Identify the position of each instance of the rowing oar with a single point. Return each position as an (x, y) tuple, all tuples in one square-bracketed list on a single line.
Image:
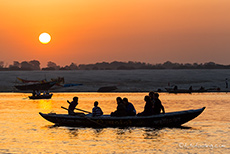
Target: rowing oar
[(80, 109), (101, 125), (77, 109)]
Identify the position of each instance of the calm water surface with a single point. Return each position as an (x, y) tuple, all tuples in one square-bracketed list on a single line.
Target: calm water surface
[(24, 131)]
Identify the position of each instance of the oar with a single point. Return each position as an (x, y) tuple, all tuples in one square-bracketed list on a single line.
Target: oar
[(80, 109), (101, 125), (77, 109)]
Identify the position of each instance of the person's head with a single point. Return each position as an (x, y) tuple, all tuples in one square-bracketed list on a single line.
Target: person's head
[(96, 103), (125, 100), (75, 99), (119, 100), (147, 98), (151, 93), (156, 95)]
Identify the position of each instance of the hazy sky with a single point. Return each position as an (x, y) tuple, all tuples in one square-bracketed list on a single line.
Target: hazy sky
[(89, 31)]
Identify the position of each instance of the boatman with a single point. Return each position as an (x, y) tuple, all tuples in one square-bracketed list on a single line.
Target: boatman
[(72, 105)]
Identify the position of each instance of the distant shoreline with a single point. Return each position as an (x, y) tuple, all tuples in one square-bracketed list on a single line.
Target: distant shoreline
[(216, 91), (115, 65)]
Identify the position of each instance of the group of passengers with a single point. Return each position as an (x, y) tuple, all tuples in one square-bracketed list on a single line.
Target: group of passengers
[(38, 93), (152, 106), (124, 108)]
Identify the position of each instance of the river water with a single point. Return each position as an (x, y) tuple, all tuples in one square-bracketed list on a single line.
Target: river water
[(23, 130)]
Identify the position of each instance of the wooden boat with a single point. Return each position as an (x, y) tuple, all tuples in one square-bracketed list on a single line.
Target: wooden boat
[(173, 90), (36, 86), (31, 81), (107, 89), (48, 96), (58, 80), (171, 119), (72, 85)]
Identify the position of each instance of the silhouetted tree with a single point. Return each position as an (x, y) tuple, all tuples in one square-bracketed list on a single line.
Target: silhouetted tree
[(26, 66), (73, 66), (52, 66), (16, 66), (35, 64), (1, 64)]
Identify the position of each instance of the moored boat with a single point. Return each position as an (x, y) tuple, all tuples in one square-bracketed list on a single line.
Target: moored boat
[(107, 89), (36, 86), (171, 119), (173, 90), (31, 81)]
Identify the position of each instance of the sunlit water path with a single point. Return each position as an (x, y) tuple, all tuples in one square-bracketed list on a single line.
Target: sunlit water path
[(23, 130)]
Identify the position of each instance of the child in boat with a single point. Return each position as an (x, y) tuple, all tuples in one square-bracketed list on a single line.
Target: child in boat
[(96, 110)]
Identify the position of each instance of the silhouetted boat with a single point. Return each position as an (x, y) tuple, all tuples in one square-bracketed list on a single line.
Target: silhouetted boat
[(107, 89), (171, 119), (72, 85), (46, 96), (36, 86), (173, 90), (31, 81)]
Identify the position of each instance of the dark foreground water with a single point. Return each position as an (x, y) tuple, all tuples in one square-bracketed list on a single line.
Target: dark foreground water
[(24, 131)]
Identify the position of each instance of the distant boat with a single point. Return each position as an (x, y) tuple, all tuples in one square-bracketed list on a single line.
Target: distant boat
[(190, 90), (41, 96), (58, 80), (107, 89), (36, 86), (171, 119), (71, 85), (31, 81), (172, 90)]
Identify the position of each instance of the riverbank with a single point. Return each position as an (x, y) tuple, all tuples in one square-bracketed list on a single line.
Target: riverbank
[(123, 80)]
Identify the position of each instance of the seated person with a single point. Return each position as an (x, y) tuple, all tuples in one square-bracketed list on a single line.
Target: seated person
[(96, 111), (157, 105), (130, 110), (148, 109), (121, 111)]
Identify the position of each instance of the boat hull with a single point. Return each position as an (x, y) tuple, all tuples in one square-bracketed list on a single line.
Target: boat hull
[(41, 97), (172, 119), (36, 86), (172, 90)]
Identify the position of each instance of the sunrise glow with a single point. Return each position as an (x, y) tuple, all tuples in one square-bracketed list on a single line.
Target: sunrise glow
[(151, 31)]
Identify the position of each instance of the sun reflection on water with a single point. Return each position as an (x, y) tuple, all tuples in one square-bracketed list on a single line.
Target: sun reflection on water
[(45, 105)]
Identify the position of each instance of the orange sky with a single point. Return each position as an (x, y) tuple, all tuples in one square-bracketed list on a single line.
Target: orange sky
[(89, 31)]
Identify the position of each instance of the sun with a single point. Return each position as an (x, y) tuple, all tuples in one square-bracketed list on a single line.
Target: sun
[(44, 38)]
